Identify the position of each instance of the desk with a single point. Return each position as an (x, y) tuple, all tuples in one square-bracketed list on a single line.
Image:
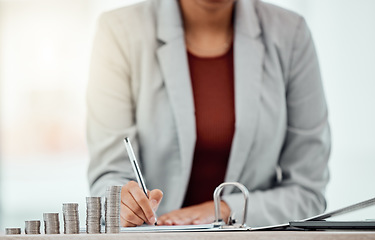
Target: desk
[(311, 235)]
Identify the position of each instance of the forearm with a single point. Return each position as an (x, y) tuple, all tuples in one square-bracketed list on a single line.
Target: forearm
[(108, 164)]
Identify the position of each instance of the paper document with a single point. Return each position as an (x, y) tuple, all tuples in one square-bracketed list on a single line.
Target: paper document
[(174, 228)]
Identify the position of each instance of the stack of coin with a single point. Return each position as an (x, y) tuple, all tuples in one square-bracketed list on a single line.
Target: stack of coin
[(71, 218), (112, 209), (32, 227), (51, 223), (93, 214), (12, 231)]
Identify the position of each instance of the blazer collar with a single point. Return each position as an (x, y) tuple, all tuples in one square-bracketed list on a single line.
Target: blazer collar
[(246, 18), (170, 25), (169, 20)]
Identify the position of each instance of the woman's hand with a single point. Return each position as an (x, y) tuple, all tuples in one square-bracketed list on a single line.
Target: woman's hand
[(136, 208), (198, 214)]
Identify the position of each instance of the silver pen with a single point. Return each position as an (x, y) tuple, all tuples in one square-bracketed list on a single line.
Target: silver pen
[(136, 169)]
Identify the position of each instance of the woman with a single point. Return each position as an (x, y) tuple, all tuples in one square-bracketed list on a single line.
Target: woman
[(208, 91)]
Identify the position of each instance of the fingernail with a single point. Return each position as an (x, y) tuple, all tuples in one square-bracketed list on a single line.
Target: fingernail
[(154, 204), (168, 222), (152, 220)]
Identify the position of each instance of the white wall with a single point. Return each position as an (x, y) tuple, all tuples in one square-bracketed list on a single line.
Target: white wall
[(44, 59)]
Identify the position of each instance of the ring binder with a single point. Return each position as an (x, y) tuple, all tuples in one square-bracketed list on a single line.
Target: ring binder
[(231, 224)]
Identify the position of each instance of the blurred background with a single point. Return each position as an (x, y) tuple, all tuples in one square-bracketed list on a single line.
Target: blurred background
[(45, 47)]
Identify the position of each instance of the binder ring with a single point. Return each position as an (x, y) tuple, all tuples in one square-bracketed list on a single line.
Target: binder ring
[(218, 220)]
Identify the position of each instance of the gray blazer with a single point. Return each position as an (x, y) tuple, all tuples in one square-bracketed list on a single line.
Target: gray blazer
[(140, 87)]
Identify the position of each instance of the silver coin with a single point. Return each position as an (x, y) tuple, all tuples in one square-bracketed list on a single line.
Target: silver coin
[(113, 188), (112, 230), (50, 215), (93, 199)]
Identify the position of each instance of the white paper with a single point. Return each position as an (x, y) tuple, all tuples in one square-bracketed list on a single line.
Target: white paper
[(174, 228)]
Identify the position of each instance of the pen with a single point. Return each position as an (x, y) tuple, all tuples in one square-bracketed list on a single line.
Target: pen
[(136, 169)]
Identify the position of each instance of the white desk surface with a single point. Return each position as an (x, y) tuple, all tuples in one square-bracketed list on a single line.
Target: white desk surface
[(274, 235)]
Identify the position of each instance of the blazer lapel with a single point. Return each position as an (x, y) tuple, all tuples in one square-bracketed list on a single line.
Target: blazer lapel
[(174, 66), (248, 68)]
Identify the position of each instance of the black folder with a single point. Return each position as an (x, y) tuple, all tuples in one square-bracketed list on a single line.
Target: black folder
[(332, 225)]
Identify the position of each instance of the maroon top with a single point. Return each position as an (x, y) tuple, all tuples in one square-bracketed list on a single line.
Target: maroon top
[(213, 88)]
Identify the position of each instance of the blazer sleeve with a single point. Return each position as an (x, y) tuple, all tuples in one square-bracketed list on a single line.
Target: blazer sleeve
[(306, 149), (110, 111)]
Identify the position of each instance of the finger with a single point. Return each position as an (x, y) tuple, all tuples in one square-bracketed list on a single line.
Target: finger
[(203, 220), (197, 222), (143, 202), (155, 197), (168, 222), (128, 200), (165, 220), (179, 221), (128, 215), (126, 223), (161, 220), (177, 217), (182, 221)]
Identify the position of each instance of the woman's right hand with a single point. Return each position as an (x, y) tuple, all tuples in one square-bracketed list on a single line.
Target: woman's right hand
[(136, 208)]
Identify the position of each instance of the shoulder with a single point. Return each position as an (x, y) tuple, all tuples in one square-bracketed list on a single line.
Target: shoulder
[(276, 18), (132, 19), (279, 27), (283, 31), (284, 28)]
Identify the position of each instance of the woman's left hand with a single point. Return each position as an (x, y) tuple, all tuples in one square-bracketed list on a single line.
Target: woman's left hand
[(203, 213)]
